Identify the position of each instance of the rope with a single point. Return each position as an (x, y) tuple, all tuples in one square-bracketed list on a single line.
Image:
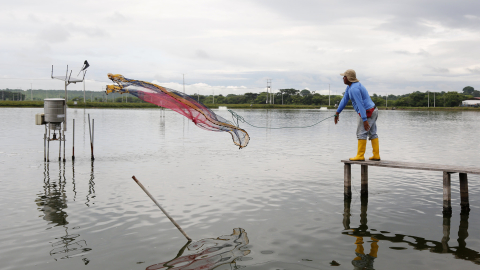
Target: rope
[(237, 119)]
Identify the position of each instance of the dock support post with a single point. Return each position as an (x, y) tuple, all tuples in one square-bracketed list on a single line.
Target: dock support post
[(447, 195), (364, 186), (464, 204), (347, 181)]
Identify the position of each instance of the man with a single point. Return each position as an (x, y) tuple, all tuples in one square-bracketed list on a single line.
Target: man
[(366, 109)]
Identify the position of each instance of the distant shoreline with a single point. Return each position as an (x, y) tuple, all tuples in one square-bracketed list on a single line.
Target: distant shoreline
[(117, 105)]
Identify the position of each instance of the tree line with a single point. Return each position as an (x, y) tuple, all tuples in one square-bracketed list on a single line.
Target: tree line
[(288, 96)]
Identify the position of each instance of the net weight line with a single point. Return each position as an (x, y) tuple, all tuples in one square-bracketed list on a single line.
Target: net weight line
[(237, 119)]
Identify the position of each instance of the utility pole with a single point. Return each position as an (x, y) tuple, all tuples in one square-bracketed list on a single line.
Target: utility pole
[(83, 86), (328, 94), (31, 93), (269, 98), (428, 99)]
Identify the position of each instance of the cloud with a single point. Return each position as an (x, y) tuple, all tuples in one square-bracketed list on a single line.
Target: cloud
[(475, 70), (406, 26), (440, 70), (201, 54), (54, 34), (117, 17)]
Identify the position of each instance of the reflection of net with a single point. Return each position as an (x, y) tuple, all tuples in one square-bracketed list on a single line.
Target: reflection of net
[(69, 246), (209, 253), (179, 102)]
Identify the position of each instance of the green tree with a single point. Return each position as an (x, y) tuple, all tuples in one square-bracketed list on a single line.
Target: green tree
[(468, 90), (305, 93)]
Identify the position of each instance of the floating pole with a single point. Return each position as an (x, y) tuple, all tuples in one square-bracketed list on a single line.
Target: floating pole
[(165, 212), (73, 141), (93, 137)]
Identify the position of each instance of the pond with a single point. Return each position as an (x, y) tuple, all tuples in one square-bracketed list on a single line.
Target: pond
[(276, 204)]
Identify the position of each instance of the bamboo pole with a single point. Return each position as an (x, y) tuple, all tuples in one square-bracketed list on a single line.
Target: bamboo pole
[(165, 212)]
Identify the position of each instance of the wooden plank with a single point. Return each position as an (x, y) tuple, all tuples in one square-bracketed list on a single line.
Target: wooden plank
[(447, 195), (364, 181), (416, 166), (347, 181)]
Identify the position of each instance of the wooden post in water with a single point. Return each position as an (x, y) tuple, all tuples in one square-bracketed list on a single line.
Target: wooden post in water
[(73, 141), (364, 175), (347, 181), (447, 195), (464, 204)]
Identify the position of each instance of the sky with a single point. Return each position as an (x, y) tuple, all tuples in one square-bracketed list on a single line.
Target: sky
[(233, 47)]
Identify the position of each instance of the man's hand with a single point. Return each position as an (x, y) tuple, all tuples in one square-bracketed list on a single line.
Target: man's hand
[(336, 118), (366, 125)]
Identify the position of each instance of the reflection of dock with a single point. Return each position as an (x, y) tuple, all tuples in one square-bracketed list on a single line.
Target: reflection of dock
[(447, 171), (418, 243)]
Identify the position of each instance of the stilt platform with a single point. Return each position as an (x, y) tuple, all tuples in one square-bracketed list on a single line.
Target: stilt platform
[(447, 171)]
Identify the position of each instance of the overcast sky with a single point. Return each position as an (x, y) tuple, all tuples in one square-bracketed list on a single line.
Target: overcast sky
[(225, 46)]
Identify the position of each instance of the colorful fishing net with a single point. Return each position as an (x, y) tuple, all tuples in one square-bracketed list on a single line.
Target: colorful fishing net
[(179, 102), (211, 253)]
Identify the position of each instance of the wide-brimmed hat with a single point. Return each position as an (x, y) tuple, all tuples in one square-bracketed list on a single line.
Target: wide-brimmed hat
[(351, 75)]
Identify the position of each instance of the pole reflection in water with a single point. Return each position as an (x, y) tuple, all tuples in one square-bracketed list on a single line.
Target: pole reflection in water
[(363, 261), (91, 187), (210, 253), (53, 202)]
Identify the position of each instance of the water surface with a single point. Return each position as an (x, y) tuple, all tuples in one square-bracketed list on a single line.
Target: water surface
[(284, 192)]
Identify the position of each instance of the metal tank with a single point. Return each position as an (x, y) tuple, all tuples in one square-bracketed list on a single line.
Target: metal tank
[(54, 109)]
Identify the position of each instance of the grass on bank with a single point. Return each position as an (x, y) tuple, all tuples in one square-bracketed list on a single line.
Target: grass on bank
[(39, 104)]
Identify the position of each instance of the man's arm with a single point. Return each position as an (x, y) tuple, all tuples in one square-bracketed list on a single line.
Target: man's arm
[(342, 105)]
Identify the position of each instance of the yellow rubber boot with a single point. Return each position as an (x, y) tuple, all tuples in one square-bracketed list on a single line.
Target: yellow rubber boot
[(376, 150), (362, 144)]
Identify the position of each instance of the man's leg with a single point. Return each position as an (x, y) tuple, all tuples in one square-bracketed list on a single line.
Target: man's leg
[(372, 134), (362, 141)]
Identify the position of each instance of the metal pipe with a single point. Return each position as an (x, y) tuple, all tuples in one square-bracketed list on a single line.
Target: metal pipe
[(60, 141), (73, 141), (64, 140), (45, 144), (165, 212), (48, 143)]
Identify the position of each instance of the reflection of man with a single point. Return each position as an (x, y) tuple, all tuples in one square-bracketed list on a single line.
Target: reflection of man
[(363, 261), (363, 104)]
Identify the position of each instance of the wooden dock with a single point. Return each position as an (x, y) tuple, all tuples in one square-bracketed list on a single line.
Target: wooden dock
[(447, 171)]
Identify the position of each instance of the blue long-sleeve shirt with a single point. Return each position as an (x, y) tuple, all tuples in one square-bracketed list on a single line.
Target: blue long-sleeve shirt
[(361, 101)]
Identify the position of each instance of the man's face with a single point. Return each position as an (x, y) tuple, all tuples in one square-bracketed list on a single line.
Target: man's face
[(345, 80)]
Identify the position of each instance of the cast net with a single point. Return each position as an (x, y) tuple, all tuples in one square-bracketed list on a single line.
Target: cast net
[(179, 102)]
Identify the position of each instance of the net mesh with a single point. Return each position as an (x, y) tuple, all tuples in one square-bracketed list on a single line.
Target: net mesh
[(179, 102)]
